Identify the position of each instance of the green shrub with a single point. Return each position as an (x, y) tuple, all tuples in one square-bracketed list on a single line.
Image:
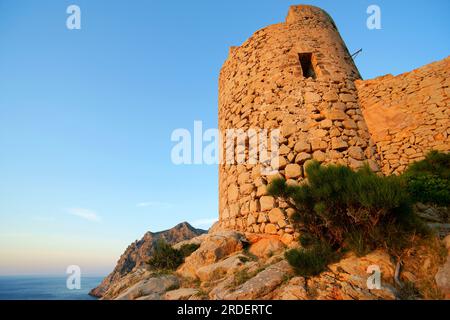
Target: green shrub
[(408, 291), (173, 287), (164, 257), (241, 277), (428, 181), (311, 261), (202, 294), (435, 162), (359, 211), (187, 249)]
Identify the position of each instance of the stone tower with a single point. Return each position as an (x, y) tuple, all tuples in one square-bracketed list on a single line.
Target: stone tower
[(298, 77)]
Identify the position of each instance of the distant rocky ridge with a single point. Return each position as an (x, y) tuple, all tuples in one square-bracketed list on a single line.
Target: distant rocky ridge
[(139, 252)]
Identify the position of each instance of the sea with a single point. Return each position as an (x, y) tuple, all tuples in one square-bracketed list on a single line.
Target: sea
[(45, 288)]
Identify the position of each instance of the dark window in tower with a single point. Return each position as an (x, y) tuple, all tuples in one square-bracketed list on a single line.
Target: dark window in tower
[(307, 66)]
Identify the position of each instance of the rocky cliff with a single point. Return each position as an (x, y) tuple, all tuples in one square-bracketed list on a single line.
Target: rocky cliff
[(139, 252), (230, 265)]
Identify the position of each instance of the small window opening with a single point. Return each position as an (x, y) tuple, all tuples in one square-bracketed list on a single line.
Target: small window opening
[(307, 66)]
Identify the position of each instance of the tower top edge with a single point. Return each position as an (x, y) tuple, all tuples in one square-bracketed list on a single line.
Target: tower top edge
[(301, 13)]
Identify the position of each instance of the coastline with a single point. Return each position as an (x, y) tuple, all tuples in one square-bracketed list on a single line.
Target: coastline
[(28, 287)]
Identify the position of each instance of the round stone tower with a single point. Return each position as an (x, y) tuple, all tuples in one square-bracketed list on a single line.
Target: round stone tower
[(297, 77)]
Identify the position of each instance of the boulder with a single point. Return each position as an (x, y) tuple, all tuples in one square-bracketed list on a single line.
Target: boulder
[(221, 268), (221, 288), (153, 296), (214, 247), (347, 279), (180, 294), (262, 284), (267, 246), (294, 290), (152, 288)]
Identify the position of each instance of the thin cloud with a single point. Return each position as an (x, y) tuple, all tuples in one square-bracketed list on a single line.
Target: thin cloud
[(43, 219), (155, 204), (85, 214), (206, 222)]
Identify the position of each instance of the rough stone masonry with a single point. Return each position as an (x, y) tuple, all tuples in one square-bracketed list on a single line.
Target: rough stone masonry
[(299, 77)]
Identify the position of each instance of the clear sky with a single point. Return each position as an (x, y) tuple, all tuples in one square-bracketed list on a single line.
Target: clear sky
[(86, 115)]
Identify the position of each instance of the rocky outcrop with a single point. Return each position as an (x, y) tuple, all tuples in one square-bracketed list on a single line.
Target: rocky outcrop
[(150, 289), (265, 246), (228, 266), (181, 294), (138, 253), (261, 285), (347, 280), (437, 218), (225, 267), (215, 247)]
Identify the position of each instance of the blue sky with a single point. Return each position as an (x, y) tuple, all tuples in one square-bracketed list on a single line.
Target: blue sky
[(86, 115)]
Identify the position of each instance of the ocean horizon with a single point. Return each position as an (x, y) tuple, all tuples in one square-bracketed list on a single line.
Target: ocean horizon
[(45, 288)]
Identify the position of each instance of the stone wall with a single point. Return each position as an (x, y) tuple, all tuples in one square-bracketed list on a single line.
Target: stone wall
[(264, 84), (408, 115)]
